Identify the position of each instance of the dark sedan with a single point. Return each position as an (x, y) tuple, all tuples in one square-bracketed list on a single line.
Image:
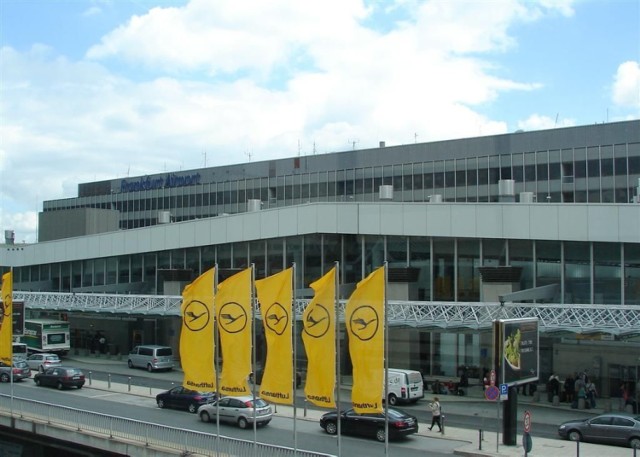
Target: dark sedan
[(401, 424), (614, 428), (60, 377), (182, 398)]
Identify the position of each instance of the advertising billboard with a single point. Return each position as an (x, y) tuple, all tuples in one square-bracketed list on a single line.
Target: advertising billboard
[(517, 350)]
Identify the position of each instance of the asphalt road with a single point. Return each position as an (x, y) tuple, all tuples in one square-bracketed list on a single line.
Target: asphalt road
[(473, 414), (308, 434)]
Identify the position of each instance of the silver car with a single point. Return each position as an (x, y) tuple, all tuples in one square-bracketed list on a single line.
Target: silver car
[(611, 428), (42, 361), (237, 410)]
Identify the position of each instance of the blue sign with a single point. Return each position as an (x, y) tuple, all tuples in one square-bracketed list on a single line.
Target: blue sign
[(504, 389), (491, 393)]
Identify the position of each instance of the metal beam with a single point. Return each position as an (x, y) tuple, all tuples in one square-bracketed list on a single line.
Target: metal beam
[(612, 319)]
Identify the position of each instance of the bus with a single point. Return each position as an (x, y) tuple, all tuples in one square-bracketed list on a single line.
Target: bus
[(47, 335)]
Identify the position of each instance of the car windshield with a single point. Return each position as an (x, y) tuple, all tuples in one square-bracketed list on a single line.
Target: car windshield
[(73, 372), (52, 358), (20, 364), (164, 352)]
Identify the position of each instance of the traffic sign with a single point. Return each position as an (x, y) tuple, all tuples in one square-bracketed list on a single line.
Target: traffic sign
[(491, 393), (504, 389), (527, 421)]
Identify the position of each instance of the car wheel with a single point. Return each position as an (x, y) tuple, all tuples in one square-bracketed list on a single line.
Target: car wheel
[(37, 381), (193, 408), (575, 435), (393, 400), (242, 423), (59, 386), (160, 403), (634, 442), (380, 435), (4, 377), (149, 368), (130, 363), (204, 416), (331, 428)]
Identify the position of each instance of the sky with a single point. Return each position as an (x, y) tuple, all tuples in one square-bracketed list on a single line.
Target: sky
[(95, 90)]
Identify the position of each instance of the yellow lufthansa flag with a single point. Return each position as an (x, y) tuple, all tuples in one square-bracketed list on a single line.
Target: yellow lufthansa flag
[(6, 319), (364, 319), (233, 310), (319, 337), (275, 295), (196, 338)]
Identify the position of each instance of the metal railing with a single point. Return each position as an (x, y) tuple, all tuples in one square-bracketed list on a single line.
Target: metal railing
[(613, 319), (144, 433)]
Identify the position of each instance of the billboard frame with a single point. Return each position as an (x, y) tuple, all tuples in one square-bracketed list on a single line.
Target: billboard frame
[(526, 333)]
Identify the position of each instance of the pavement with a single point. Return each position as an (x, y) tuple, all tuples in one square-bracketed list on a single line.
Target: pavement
[(470, 445)]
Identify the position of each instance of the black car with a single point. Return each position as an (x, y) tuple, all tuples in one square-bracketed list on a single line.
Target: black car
[(60, 377), (612, 428), (182, 398), (401, 424)]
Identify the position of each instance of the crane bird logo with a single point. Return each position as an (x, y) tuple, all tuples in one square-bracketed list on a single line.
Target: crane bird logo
[(317, 322), (232, 318), (277, 318), (364, 322), (196, 315)]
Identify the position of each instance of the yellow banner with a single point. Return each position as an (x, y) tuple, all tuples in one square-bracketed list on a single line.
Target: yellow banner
[(364, 320), (196, 339), (234, 316), (275, 295), (319, 338), (6, 319)]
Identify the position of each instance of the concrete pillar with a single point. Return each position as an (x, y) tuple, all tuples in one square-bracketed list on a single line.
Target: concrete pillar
[(556, 400)]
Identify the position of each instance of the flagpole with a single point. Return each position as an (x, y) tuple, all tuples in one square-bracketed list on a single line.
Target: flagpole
[(338, 358), (216, 342), (386, 363), (295, 355), (253, 356)]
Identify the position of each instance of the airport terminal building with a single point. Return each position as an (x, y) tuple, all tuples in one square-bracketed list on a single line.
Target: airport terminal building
[(547, 217)]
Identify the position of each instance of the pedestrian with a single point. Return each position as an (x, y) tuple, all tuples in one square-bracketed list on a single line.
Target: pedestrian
[(569, 389), (436, 413), (592, 393)]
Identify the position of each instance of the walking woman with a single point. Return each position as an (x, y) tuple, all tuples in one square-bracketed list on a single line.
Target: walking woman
[(436, 412)]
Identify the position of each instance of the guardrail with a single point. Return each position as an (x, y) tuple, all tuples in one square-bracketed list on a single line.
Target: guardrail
[(144, 433)]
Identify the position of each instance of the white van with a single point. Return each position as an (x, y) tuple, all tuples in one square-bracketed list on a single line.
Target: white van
[(405, 386)]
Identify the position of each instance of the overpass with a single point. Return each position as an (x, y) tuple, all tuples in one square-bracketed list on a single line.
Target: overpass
[(619, 320)]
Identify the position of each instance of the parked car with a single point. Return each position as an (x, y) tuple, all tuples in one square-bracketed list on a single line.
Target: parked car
[(237, 410), (611, 428), (60, 377), (182, 398), (151, 357), (401, 424), (42, 361), (20, 371)]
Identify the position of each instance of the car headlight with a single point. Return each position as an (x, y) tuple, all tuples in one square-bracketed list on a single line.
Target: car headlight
[(562, 427)]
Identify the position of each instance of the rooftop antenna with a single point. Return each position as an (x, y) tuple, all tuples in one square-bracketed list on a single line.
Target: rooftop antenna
[(204, 153), (314, 148), (298, 148), (248, 154), (353, 144), (556, 122), (415, 137)]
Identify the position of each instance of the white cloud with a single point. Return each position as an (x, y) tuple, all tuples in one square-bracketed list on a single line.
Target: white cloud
[(292, 72), (626, 85), (540, 122)]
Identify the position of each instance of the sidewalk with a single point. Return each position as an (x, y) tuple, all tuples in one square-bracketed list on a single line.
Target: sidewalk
[(469, 439)]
